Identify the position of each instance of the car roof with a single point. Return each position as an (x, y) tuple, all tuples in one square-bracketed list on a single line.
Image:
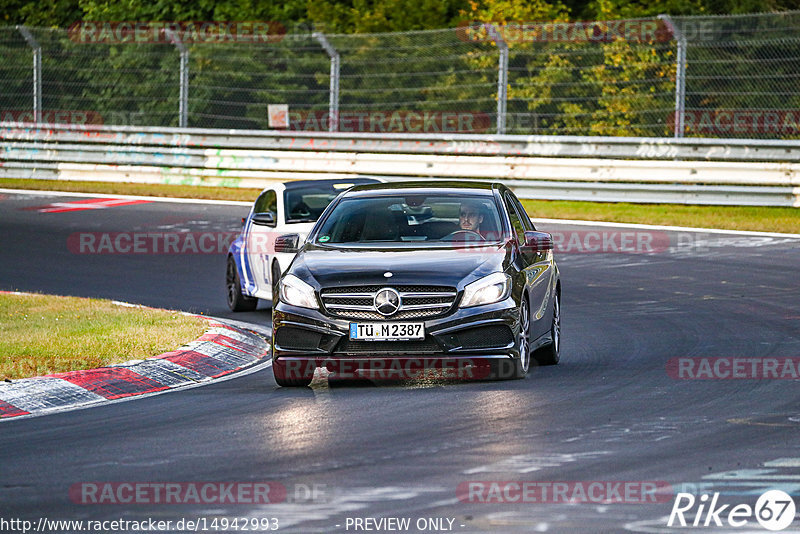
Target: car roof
[(299, 184), (442, 186), (416, 187)]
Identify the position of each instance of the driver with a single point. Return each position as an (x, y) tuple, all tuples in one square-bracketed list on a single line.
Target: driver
[(471, 216)]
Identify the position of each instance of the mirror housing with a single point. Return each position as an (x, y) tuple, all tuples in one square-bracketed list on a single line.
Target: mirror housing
[(536, 242), (266, 218), (287, 243)]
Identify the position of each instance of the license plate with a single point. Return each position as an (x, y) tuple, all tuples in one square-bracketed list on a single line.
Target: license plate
[(386, 331)]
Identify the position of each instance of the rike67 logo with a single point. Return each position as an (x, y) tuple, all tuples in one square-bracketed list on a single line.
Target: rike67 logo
[(774, 510)]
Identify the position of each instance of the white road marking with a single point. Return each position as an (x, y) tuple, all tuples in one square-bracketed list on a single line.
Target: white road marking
[(783, 462), (661, 227), (527, 463), (127, 197), (751, 474)]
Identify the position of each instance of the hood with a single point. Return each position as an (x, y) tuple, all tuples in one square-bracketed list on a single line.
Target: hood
[(332, 267)]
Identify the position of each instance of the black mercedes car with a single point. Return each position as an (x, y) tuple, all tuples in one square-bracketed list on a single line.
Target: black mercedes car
[(397, 279)]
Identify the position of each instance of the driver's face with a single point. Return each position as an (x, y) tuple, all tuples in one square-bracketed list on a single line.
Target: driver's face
[(470, 219)]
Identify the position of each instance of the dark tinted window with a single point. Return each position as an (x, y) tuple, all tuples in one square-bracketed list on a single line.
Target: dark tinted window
[(526, 220), (306, 204), (268, 201), (413, 219), (516, 223)]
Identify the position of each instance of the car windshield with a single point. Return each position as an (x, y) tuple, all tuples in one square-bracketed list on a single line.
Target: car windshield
[(306, 204), (418, 219)]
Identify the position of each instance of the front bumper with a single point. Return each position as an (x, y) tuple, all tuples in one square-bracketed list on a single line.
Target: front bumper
[(465, 337)]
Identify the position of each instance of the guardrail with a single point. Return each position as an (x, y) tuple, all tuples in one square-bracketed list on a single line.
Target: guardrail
[(693, 171)]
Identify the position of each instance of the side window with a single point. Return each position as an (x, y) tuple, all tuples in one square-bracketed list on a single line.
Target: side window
[(516, 223), (526, 221), (268, 201)]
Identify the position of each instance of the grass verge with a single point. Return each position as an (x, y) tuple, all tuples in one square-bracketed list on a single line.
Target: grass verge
[(44, 334), (754, 218), (761, 219)]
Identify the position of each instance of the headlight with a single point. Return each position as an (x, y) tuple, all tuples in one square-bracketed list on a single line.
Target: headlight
[(489, 289), (297, 293)]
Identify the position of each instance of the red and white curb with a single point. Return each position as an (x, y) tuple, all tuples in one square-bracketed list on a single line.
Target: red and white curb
[(222, 350)]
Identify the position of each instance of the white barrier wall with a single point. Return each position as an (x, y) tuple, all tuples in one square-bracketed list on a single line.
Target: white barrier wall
[(696, 171)]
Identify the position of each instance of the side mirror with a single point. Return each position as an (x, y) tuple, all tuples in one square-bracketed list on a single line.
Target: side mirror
[(536, 242), (264, 219), (287, 243)]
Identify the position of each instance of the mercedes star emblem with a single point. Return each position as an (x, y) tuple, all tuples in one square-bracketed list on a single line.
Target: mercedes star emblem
[(387, 301)]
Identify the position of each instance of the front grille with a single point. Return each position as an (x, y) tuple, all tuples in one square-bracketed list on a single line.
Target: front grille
[(374, 289), (399, 316), (357, 302), (423, 346), (366, 301)]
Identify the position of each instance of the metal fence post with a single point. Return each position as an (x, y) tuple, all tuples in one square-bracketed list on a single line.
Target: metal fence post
[(37, 72), (680, 75), (183, 104), (333, 103), (502, 77)]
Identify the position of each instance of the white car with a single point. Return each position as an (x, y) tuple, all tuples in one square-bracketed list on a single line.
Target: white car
[(279, 220)]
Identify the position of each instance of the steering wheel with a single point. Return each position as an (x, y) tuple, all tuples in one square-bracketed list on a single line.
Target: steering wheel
[(465, 235)]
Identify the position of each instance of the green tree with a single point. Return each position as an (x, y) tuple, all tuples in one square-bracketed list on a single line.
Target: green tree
[(52, 13), (370, 16)]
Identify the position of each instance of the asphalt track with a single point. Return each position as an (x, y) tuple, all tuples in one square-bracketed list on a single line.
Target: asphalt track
[(609, 412)]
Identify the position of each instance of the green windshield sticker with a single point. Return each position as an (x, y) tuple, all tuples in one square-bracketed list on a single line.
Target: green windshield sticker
[(324, 238)]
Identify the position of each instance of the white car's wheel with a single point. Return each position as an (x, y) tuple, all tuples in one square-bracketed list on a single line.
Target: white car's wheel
[(237, 301)]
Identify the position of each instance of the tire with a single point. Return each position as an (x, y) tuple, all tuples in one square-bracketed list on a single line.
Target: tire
[(516, 368), (237, 301), (523, 363), (551, 354), (295, 378)]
